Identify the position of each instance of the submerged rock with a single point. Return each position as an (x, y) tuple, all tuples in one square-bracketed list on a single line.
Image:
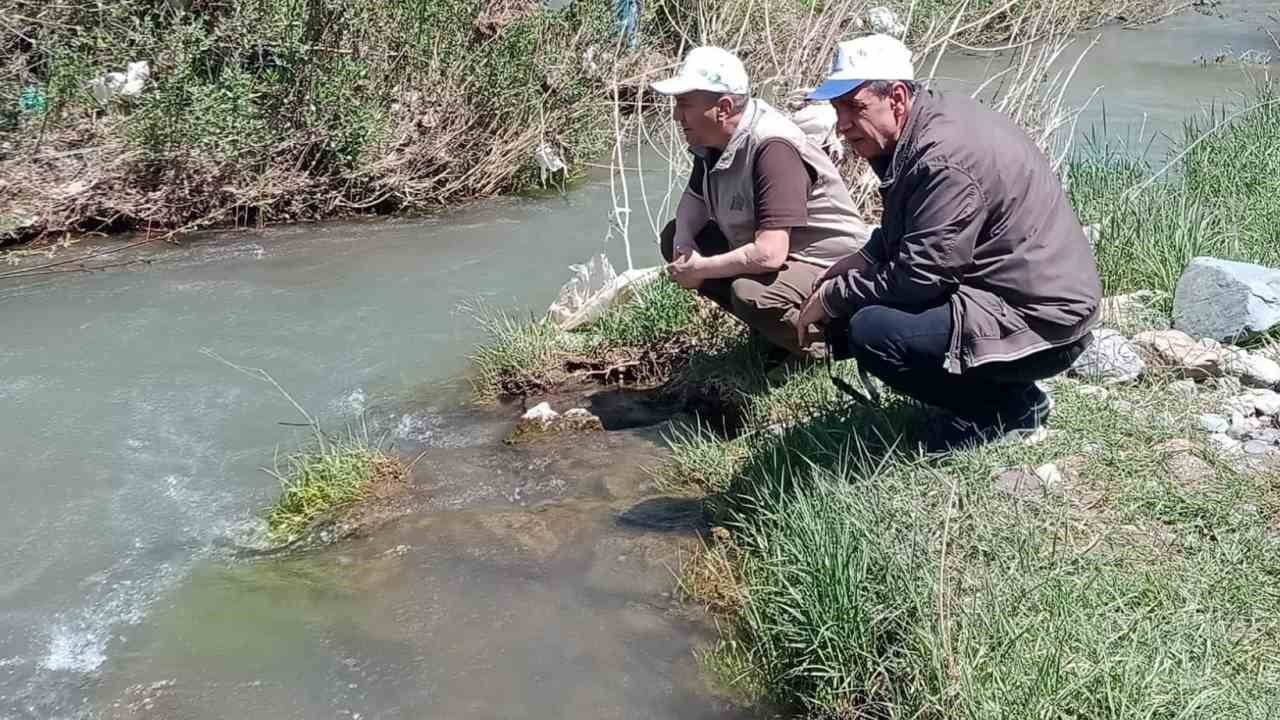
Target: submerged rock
[(1226, 300), (541, 420)]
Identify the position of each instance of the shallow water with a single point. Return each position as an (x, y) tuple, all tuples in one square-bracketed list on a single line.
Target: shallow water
[(1148, 79), (525, 581)]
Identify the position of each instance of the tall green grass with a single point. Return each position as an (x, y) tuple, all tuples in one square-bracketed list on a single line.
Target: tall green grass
[(1216, 197), (876, 585)]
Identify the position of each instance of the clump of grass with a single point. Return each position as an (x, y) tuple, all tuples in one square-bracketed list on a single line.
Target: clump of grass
[(326, 477), (520, 356), (1214, 197), (658, 327), (660, 312), (320, 480)]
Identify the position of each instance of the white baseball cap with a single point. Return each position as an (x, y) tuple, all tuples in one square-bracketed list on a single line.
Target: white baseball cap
[(871, 57), (707, 68)]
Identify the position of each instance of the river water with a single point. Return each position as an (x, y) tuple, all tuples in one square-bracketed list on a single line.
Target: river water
[(516, 588)]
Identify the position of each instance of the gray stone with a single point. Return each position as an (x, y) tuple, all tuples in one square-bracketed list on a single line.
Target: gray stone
[(1110, 358), (1019, 484), (1255, 402), (1266, 435), (1226, 300), (1214, 423), (1257, 447), (1241, 426)]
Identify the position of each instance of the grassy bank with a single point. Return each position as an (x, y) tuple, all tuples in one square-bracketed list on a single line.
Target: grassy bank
[(261, 111), (1118, 569)]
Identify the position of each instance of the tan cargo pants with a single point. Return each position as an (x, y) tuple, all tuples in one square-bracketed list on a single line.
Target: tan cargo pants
[(768, 303)]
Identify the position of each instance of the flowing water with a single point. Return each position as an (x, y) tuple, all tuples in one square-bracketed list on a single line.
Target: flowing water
[(522, 582)]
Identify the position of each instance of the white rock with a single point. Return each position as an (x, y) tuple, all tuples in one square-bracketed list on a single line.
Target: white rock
[(1241, 426), (1109, 359), (1255, 402), (1252, 369), (1257, 447), (1224, 443), (1214, 423), (1049, 474), (1265, 402), (541, 413)]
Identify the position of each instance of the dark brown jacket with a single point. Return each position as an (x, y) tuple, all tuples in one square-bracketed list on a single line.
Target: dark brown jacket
[(975, 215)]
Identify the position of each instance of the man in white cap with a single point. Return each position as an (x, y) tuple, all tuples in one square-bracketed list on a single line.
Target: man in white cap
[(764, 213), (980, 280)]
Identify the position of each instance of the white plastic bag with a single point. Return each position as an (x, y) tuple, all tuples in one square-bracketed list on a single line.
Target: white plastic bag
[(125, 84), (593, 289), (587, 280)]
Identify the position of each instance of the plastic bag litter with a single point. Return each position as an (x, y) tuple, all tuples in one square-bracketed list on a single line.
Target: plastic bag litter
[(549, 160), (125, 84), (593, 289), (883, 20)]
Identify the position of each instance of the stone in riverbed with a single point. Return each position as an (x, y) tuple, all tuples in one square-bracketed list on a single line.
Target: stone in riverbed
[(1226, 300), (1109, 359), (541, 420)]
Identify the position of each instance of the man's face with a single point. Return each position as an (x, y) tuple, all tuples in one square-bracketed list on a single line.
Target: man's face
[(871, 124), (701, 117)]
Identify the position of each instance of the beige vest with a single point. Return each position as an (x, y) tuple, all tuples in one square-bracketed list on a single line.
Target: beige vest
[(835, 228)]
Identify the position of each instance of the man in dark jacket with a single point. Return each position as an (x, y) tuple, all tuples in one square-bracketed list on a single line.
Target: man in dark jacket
[(980, 280)]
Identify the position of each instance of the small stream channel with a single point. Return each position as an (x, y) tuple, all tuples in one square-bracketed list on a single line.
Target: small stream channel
[(530, 581)]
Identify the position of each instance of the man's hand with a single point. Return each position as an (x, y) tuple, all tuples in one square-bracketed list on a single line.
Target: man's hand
[(682, 249), (812, 313), (687, 270), (855, 262)]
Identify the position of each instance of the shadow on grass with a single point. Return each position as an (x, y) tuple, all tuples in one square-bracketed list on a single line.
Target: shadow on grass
[(851, 440)]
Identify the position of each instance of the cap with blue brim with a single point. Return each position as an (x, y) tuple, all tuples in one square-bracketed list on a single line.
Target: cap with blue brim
[(871, 57)]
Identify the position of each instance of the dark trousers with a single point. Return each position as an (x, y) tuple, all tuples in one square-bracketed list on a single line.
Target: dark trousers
[(906, 349)]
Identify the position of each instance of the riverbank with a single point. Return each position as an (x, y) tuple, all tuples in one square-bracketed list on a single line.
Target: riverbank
[(251, 115), (1123, 566)]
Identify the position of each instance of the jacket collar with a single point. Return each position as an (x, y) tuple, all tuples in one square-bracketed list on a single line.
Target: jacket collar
[(888, 171), (750, 117)]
